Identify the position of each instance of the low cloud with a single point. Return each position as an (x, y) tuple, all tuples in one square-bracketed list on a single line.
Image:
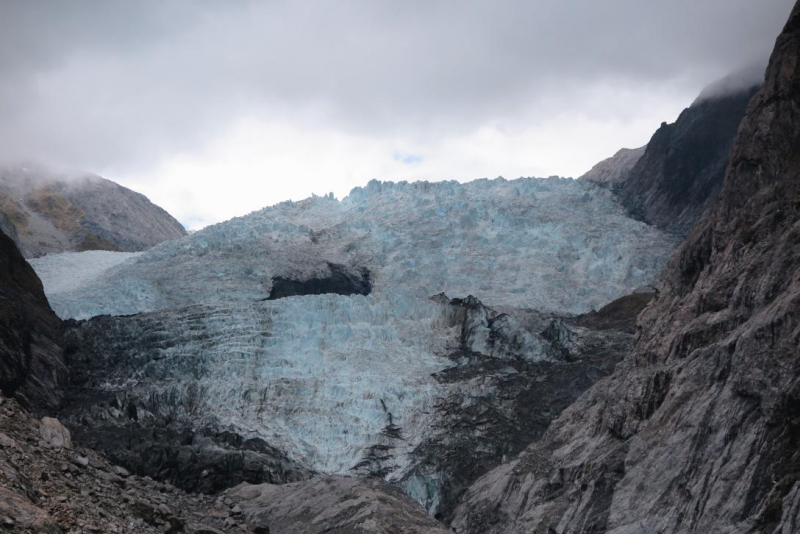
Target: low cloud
[(132, 88), (736, 82)]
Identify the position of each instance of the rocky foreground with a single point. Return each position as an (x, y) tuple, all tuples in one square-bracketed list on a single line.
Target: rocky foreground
[(49, 485)]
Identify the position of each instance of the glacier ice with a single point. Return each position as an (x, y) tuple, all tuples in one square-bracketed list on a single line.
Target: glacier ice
[(71, 271), (323, 376), (554, 245)]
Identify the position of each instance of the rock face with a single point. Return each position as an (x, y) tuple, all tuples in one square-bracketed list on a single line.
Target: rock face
[(615, 169), (335, 505), (31, 356), (696, 430), (670, 182), (45, 213)]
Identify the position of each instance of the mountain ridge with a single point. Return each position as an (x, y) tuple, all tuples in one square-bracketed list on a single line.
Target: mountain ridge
[(47, 212)]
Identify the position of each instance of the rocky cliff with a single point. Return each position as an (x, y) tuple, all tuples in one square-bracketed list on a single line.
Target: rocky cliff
[(46, 212), (670, 182), (696, 430), (31, 356)]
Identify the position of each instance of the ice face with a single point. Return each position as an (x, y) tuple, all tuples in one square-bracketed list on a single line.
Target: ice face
[(324, 376), (72, 271)]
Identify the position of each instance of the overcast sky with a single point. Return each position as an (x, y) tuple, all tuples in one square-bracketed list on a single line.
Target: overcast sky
[(217, 108)]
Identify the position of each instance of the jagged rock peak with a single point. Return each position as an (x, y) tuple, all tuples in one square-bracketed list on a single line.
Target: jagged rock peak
[(615, 169)]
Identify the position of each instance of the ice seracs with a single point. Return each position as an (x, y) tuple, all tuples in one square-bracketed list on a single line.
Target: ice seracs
[(552, 245)]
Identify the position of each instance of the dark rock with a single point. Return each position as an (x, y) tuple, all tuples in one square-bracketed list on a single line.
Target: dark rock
[(196, 528), (682, 168), (501, 394), (202, 460), (145, 511), (176, 524), (32, 364), (619, 315)]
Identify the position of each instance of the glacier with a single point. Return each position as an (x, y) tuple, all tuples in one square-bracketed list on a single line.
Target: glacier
[(554, 244), (70, 271), (330, 379)]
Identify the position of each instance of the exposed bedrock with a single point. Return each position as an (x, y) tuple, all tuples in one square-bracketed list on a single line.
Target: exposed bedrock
[(31, 355), (334, 505), (670, 182), (339, 280)]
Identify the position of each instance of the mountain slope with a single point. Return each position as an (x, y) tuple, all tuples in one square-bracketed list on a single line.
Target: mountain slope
[(696, 430), (32, 365), (615, 170), (671, 181), (46, 213)]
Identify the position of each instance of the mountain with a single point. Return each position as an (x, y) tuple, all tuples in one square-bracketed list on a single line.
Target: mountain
[(671, 181), (45, 212), (32, 366), (696, 430)]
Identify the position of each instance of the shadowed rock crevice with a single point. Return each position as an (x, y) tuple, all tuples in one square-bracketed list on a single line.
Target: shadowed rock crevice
[(339, 281)]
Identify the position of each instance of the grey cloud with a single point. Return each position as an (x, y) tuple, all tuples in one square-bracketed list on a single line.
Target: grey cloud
[(748, 76), (94, 83)]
